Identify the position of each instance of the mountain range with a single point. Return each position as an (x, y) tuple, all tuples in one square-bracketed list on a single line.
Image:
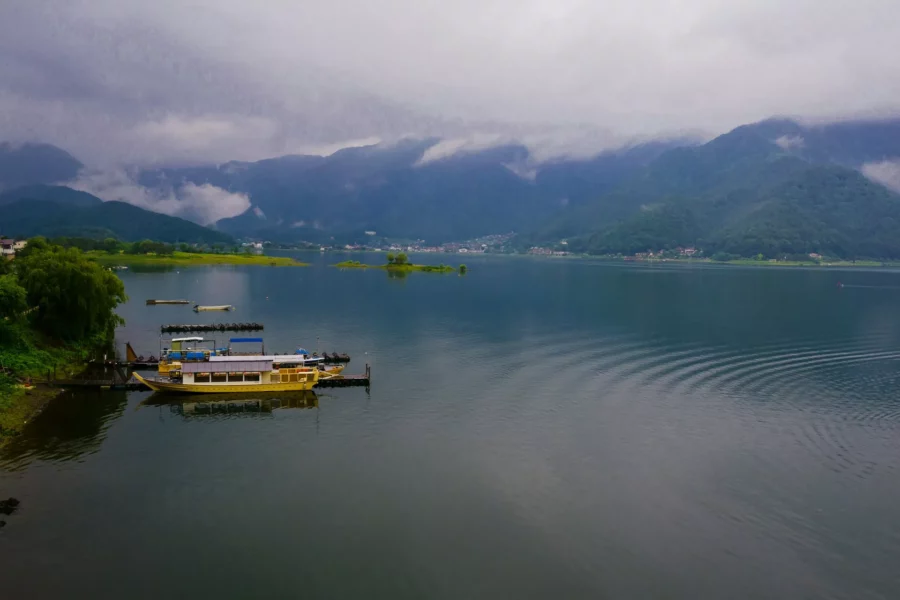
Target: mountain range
[(774, 187)]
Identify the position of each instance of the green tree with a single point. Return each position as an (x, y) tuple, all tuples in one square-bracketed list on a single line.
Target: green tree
[(463, 269), (75, 297), (111, 245), (35, 244), (13, 298), (401, 259), (390, 258)]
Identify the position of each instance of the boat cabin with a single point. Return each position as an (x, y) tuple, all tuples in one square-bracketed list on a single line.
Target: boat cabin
[(243, 372)]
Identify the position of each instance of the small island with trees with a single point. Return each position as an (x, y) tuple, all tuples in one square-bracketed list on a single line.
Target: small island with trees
[(399, 263)]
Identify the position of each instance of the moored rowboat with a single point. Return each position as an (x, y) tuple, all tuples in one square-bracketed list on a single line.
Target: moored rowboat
[(199, 308)]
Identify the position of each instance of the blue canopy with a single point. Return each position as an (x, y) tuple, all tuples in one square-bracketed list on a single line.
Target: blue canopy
[(241, 340), (301, 351)]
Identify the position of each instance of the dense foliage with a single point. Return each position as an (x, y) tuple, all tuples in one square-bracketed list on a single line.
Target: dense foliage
[(12, 297), (73, 297), (659, 228)]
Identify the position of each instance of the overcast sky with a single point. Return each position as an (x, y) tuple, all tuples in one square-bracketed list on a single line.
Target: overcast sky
[(211, 80)]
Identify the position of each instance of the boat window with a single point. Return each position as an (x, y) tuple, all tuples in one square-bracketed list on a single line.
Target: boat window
[(251, 376), (201, 378), (235, 377), (219, 377)]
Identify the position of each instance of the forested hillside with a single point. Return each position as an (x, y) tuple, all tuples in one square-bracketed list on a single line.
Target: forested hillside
[(60, 211)]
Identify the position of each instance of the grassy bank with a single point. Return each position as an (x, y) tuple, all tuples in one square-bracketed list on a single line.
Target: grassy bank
[(404, 268), (24, 353), (188, 259)]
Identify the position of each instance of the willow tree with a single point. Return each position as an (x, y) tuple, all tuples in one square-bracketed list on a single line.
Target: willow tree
[(74, 298)]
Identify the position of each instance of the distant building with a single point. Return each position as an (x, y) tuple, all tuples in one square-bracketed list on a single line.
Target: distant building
[(8, 247), (815, 256), (370, 233)]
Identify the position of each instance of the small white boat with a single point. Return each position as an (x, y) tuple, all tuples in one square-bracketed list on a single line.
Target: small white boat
[(198, 308)]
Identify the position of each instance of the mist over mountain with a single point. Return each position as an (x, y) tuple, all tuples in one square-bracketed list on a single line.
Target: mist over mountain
[(652, 195)]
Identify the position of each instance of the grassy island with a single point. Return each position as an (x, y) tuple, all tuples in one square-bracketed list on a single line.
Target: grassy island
[(400, 264), (187, 259)]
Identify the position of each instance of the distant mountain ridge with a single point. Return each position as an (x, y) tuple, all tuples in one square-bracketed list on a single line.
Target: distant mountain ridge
[(394, 191)]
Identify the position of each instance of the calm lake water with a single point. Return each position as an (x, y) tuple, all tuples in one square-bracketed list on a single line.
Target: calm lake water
[(535, 429)]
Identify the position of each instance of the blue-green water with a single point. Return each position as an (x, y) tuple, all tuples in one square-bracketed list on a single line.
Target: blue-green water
[(534, 429)]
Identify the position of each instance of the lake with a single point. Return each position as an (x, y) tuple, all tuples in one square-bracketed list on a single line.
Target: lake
[(534, 429)]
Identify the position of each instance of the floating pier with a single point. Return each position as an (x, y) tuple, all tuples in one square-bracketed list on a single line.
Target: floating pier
[(187, 328)]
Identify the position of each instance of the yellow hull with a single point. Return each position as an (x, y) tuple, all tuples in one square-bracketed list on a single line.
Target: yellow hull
[(212, 388)]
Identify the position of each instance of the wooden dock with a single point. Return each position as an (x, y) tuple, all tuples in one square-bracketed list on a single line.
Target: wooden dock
[(345, 381)]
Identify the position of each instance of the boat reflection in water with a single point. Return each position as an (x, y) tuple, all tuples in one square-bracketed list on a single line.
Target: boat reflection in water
[(234, 404)]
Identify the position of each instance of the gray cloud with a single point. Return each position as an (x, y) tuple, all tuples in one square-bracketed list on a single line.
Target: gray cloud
[(119, 81), (886, 172), (204, 204)]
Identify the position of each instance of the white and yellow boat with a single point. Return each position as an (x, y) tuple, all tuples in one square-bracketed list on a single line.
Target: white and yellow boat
[(238, 374)]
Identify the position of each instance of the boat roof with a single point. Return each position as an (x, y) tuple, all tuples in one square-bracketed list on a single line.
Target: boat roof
[(277, 358), (241, 340), (256, 366), (188, 339)]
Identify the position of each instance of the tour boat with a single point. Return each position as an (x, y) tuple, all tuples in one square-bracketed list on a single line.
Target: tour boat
[(246, 374), (199, 308)]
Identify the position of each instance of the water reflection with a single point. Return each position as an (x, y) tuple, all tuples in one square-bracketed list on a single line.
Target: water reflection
[(251, 404), (72, 425)]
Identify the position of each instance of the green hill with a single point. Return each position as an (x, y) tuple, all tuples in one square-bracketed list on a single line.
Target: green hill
[(76, 214)]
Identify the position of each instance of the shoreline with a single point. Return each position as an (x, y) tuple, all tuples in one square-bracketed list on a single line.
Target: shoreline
[(188, 259), (25, 405)]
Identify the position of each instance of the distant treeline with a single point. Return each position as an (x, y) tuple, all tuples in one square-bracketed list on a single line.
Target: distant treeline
[(114, 246)]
